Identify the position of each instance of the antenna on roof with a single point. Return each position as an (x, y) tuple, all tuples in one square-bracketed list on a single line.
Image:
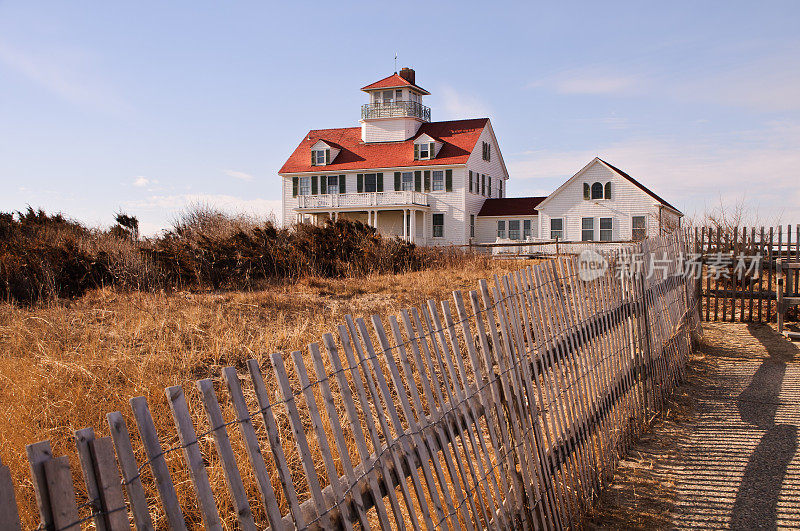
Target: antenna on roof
[(395, 62)]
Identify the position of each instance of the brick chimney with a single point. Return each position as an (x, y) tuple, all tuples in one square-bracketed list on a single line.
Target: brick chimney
[(408, 74)]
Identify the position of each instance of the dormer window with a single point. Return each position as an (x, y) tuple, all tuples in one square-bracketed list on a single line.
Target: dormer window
[(422, 151), (320, 157)]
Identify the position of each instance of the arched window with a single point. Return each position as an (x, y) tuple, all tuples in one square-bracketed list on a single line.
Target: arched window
[(597, 191), (607, 194)]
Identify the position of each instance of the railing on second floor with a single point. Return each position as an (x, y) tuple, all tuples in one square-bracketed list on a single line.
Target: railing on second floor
[(367, 199), (396, 109)]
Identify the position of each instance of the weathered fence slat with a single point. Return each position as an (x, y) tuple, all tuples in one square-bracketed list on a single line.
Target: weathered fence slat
[(233, 478), (9, 515), (130, 471), (61, 491), (259, 468), (158, 465), (82, 439), (112, 502)]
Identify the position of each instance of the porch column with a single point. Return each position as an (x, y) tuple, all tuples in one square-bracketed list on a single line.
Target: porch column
[(424, 228), (413, 225), (375, 220), (405, 232)]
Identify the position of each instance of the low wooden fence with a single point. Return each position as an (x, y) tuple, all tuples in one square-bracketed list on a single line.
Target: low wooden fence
[(739, 270), (505, 407)]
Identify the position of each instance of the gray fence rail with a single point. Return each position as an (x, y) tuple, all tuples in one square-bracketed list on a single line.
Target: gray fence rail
[(505, 407)]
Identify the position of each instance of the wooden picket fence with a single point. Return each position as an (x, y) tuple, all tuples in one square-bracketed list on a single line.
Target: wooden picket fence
[(506, 407), (739, 281)]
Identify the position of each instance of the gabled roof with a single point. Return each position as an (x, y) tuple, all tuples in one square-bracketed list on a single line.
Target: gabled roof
[(394, 81), (641, 186), (458, 138), (511, 206), (621, 174)]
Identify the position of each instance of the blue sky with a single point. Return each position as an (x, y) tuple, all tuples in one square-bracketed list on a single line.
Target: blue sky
[(149, 106)]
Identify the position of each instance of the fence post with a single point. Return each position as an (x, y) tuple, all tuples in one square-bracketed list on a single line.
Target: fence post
[(779, 305)]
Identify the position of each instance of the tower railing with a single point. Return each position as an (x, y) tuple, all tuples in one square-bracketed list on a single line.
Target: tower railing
[(396, 109)]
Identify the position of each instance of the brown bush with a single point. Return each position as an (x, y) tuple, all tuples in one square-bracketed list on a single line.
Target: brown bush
[(43, 258)]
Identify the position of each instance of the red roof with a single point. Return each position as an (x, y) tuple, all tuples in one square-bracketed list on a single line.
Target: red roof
[(394, 81), (511, 206), (458, 139)]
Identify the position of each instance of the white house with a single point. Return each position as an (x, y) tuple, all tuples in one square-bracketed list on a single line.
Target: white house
[(420, 180), (439, 183)]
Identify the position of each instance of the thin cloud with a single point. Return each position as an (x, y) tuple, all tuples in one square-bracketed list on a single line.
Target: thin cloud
[(458, 105), (141, 182), (238, 175), (590, 80), (64, 73)]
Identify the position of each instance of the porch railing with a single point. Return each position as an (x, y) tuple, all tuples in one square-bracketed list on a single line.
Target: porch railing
[(367, 199)]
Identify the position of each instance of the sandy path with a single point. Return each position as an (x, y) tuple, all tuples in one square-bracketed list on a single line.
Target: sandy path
[(726, 453)]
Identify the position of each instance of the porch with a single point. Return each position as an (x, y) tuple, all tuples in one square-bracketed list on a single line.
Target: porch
[(408, 224)]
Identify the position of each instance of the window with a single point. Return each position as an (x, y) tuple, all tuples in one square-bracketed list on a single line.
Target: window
[(398, 95), (607, 194), (639, 228), (597, 191), (333, 184), (587, 229), (318, 157), (438, 225), (407, 183), (513, 229), (305, 186), (438, 180), (470, 180), (501, 229), (388, 96), (424, 151), (606, 232), (526, 229), (557, 229), (370, 182), (487, 151), (472, 225)]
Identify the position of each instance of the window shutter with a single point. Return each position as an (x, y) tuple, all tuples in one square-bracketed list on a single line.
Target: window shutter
[(490, 187), (432, 151), (483, 184), (416, 151), (397, 183), (586, 191), (313, 185), (427, 174), (323, 184), (379, 182), (448, 180), (342, 185), (295, 185), (470, 180), (607, 193), (360, 183), (418, 181), (488, 152), (327, 156)]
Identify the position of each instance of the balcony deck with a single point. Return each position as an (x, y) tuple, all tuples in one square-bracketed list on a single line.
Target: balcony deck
[(362, 200), (396, 109)]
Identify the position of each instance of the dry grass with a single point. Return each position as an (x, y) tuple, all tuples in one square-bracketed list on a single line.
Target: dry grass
[(63, 367)]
